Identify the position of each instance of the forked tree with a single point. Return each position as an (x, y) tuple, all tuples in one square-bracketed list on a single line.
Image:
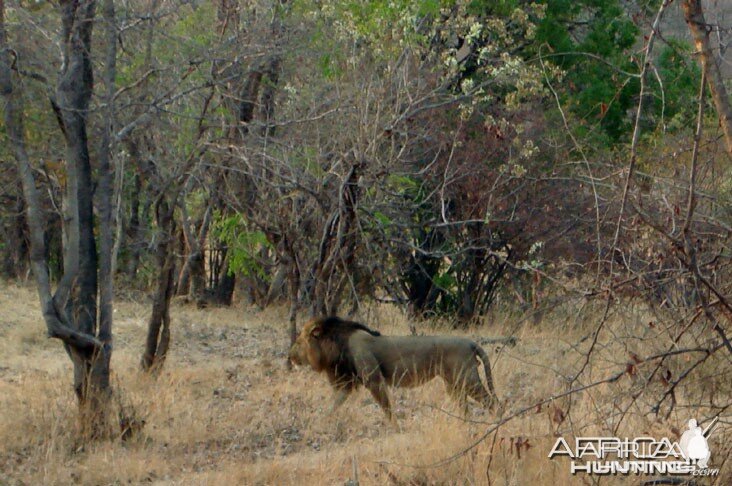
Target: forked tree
[(70, 311)]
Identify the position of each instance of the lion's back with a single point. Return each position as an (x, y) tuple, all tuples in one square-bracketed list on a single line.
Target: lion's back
[(420, 355)]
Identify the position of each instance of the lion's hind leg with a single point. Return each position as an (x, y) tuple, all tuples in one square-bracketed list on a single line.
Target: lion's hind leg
[(477, 391), (457, 382), (466, 384)]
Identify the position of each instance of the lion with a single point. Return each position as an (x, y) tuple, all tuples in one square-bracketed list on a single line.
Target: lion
[(352, 354)]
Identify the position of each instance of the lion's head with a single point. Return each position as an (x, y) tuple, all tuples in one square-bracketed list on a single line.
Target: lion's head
[(306, 346), (322, 343)]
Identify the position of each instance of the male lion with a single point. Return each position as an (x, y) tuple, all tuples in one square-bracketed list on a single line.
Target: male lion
[(352, 354)]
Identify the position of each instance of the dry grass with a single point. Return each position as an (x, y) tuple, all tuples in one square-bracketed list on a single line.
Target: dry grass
[(226, 411)]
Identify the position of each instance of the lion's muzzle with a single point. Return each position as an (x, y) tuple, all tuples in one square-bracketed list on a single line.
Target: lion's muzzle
[(296, 355)]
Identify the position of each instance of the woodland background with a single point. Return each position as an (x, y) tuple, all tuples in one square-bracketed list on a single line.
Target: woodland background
[(193, 179)]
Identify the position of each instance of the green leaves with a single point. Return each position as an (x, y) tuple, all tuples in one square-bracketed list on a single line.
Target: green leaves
[(403, 183), (382, 218), (244, 245), (595, 43), (329, 67), (681, 77), (446, 282), (596, 91)]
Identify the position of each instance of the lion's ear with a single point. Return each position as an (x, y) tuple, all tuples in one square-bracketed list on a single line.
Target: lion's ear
[(317, 332)]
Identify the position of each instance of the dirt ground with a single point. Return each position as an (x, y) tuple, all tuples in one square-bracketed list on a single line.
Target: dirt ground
[(225, 409)]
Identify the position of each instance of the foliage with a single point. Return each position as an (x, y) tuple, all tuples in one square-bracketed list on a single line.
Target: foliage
[(596, 45), (676, 99), (444, 104), (596, 90), (243, 244)]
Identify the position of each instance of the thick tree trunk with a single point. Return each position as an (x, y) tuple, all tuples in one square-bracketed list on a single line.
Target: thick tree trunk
[(88, 347), (100, 365), (700, 31), (73, 94)]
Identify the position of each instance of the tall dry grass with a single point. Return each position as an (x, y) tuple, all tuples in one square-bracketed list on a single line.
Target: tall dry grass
[(226, 411)]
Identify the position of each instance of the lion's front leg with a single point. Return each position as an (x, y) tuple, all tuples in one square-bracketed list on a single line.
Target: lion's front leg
[(379, 391), (341, 394), (370, 375)]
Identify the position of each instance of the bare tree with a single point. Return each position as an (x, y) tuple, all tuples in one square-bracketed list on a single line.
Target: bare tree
[(70, 312)]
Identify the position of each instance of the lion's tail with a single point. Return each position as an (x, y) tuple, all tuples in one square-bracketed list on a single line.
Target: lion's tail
[(480, 353)]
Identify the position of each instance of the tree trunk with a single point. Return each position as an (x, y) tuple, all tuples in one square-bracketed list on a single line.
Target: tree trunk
[(15, 249), (100, 366), (271, 78), (135, 232), (198, 277), (223, 291), (88, 346), (468, 292), (192, 279), (277, 287), (700, 31), (337, 248), (293, 285), (73, 94), (158, 332)]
